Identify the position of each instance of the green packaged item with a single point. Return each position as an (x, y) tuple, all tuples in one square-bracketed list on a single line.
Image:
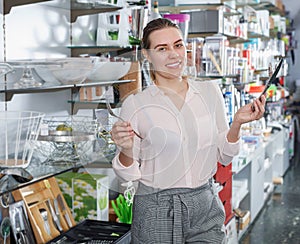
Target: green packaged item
[(90, 197)]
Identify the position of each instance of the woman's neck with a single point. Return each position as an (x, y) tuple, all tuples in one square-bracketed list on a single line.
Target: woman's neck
[(175, 86)]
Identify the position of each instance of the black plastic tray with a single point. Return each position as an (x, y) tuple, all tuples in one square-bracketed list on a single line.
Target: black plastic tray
[(95, 232)]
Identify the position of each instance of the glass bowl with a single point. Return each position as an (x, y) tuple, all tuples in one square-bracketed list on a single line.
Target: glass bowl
[(108, 70), (68, 71)]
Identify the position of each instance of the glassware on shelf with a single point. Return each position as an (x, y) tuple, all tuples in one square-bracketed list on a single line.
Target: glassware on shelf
[(191, 70), (27, 80), (229, 60), (69, 70), (215, 54), (66, 140), (106, 144), (5, 69), (108, 70), (241, 69)]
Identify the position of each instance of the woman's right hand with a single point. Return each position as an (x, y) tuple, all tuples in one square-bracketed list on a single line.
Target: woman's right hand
[(122, 134)]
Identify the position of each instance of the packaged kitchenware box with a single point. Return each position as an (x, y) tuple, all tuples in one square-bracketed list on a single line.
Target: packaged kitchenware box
[(90, 197), (95, 231), (186, 2), (86, 194), (47, 210)]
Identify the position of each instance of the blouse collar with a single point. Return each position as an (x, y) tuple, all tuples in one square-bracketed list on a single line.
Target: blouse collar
[(154, 90)]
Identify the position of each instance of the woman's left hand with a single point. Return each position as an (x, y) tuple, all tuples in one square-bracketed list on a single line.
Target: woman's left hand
[(247, 114)]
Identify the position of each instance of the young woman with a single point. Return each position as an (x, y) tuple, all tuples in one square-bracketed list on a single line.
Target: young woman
[(184, 134)]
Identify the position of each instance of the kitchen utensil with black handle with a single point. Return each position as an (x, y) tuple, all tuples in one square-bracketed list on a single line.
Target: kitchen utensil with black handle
[(111, 112), (270, 81)]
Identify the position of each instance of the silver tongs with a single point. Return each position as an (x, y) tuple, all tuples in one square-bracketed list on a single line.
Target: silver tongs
[(270, 81)]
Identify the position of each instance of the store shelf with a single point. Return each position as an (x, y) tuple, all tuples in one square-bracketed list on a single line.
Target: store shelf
[(263, 5), (43, 170), (100, 103), (238, 195), (237, 40), (217, 76), (38, 171), (9, 91), (178, 9), (242, 162), (193, 7), (92, 50), (76, 8), (130, 52), (257, 35), (95, 104), (232, 39), (8, 4)]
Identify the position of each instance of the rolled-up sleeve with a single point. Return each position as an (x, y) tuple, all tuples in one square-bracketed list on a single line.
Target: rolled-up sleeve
[(227, 149), (132, 172)]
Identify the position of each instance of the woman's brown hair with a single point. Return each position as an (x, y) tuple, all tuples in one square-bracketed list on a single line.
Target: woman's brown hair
[(156, 24)]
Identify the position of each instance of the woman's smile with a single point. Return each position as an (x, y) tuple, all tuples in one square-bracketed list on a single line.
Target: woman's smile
[(175, 65)]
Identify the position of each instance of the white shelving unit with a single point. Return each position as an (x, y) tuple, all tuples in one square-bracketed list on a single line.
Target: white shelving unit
[(257, 171)]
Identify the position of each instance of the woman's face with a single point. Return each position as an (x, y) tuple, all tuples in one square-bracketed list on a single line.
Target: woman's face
[(167, 52)]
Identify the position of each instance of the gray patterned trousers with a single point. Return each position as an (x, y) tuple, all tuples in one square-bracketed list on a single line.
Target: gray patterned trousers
[(179, 215)]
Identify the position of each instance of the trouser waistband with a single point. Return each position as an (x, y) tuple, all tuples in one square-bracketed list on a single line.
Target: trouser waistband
[(146, 190)]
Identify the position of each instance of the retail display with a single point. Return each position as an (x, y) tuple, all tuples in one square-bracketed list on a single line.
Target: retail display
[(37, 197), (121, 28), (223, 44)]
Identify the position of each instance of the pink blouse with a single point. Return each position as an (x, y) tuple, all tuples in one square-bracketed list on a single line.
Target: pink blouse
[(180, 148)]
